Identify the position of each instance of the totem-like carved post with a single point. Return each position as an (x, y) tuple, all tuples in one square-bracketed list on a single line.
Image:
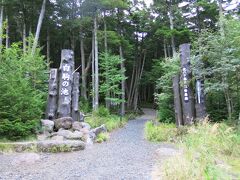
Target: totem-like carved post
[(65, 83), (75, 97), (186, 90), (52, 94), (177, 101)]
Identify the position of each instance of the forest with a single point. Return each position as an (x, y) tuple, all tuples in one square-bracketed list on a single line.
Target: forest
[(127, 53)]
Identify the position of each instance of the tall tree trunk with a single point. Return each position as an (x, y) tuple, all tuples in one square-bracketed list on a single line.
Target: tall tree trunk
[(96, 63), (93, 72), (40, 20), (48, 48), (123, 81), (221, 17), (84, 77), (108, 103), (165, 49), (1, 28), (24, 37), (172, 27), (7, 33)]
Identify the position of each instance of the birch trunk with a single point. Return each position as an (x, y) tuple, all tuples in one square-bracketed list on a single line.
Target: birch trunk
[(24, 38), (172, 27), (96, 63), (7, 33), (48, 48), (122, 82), (84, 80), (93, 73), (1, 28), (40, 20)]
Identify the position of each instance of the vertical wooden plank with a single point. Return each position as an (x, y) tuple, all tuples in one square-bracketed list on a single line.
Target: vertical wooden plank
[(65, 83), (75, 97), (200, 100), (52, 94), (186, 88), (177, 101)]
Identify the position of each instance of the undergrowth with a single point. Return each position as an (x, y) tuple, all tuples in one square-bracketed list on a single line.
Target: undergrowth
[(211, 151)]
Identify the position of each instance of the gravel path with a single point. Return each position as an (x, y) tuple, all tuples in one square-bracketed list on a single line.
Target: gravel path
[(126, 155)]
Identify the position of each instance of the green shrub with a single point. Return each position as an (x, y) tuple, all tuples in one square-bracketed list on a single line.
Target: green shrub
[(102, 137), (23, 92), (102, 112), (111, 122), (84, 105), (163, 132)]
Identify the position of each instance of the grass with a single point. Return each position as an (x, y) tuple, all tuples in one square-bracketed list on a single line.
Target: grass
[(111, 122), (211, 151), (102, 137)]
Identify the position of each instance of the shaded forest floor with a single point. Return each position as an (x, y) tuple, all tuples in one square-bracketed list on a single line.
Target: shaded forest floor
[(126, 155)]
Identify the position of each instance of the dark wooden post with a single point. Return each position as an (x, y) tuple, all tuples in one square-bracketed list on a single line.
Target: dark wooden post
[(75, 97), (177, 101), (52, 94), (65, 83), (186, 89)]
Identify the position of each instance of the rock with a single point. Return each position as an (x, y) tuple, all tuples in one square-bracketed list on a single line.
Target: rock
[(60, 146), (57, 138), (47, 125), (87, 139), (99, 129), (42, 137), (64, 122), (77, 126), (86, 125), (67, 134), (85, 130)]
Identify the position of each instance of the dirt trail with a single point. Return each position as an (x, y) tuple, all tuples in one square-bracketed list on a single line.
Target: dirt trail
[(126, 155)]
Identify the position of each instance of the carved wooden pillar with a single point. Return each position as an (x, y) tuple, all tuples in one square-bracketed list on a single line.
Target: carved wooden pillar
[(75, 97), (177, 100), (65, 83), (52, 95), (186, 89)]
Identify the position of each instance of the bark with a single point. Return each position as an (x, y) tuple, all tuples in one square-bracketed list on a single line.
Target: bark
[(48, 48), (177, 101), (96, 63), (186, 90), (1, 28), (93, 73), (65, 83), (84, 77), (7, 33), (122, 82), (75, 97), (24, 38), (40, 20), (221, 17), (52, 95), (165, 49), (172, 27)]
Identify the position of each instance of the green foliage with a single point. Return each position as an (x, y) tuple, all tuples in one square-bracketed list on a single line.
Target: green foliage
[(23, 92), (204, 147), (102, 137), (84, 105), (164, 98), (163, 132), (112, 77), (111, 122), (220, 56), (102, 112)]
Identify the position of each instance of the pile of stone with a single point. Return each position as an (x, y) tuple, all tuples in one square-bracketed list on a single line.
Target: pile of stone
[(65, 129)]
